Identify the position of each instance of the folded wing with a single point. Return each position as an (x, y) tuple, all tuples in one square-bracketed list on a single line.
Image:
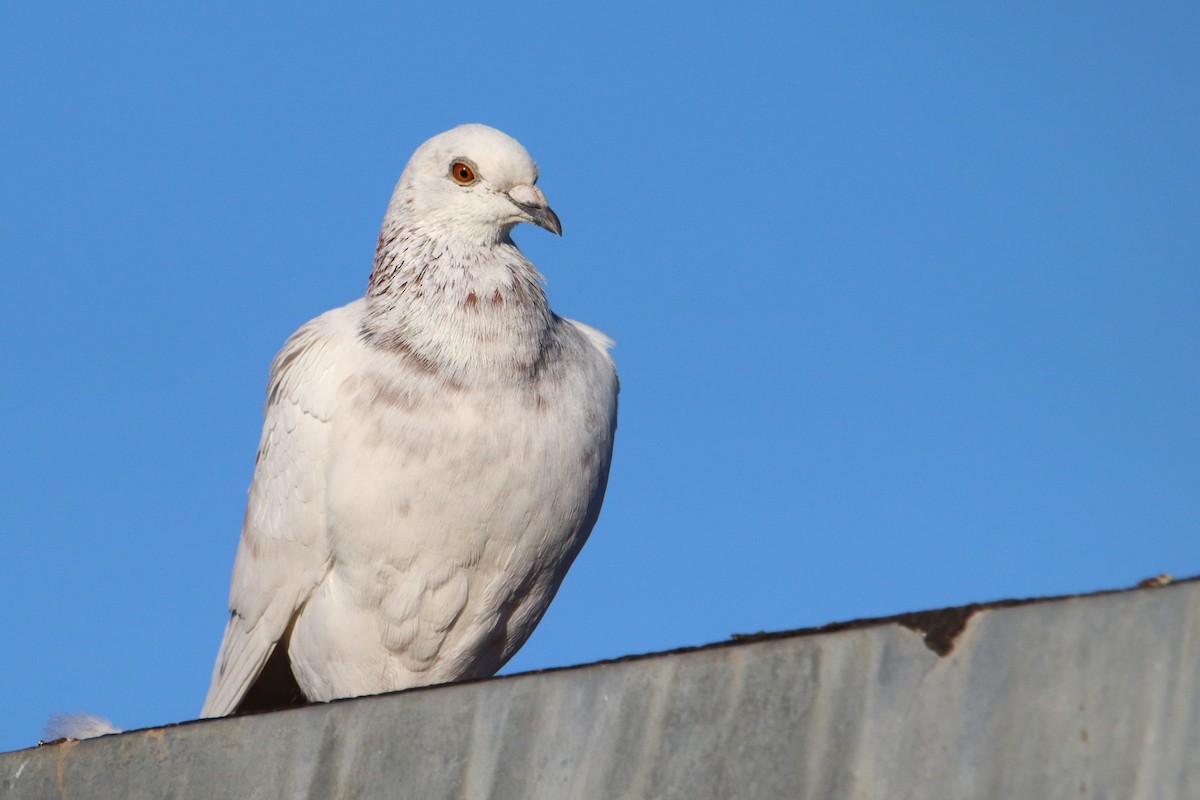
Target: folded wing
[(283, 553)]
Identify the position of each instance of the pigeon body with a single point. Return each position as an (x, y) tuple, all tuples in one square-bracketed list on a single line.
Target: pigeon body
[(433, 456)]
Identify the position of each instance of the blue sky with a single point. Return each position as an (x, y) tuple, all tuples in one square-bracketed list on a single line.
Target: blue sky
[(906, 297)]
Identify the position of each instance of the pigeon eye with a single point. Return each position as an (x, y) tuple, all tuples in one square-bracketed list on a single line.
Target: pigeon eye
[(462, 173)]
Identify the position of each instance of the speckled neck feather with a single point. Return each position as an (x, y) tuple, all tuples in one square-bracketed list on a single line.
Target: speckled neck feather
[(460, 304)]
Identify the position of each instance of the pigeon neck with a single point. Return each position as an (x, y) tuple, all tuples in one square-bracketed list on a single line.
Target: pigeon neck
[(466, 308)]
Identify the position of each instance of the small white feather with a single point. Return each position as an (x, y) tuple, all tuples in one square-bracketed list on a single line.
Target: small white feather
[(77, 726)]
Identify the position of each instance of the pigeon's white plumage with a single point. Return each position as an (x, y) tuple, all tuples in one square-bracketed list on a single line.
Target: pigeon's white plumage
[(434, 455)]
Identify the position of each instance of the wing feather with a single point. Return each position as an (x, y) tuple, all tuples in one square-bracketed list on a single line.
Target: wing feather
[(283, 553)]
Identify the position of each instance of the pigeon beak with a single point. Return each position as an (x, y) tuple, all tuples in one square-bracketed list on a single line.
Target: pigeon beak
[(533, 203)]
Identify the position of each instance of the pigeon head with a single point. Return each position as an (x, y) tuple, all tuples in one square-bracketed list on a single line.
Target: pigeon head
[(472, 182)]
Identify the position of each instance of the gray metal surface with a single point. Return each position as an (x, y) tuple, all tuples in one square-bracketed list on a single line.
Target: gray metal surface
[(1090, 697)]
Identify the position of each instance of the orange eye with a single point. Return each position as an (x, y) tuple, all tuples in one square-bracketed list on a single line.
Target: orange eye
[(462, 172)]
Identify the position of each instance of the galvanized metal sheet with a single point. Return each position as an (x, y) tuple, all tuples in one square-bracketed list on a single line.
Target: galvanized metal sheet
[(1093, 697)]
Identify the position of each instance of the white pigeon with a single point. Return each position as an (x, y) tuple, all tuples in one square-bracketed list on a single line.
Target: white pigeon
[(433, 456)]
